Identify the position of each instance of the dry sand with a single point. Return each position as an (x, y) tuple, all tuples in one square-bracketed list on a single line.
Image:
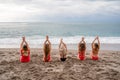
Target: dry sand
[(106, 68)]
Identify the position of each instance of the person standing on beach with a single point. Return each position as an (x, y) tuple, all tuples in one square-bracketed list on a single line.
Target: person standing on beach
[(47, 50), (81, 49), (25, 51), (95, 49), (62, 50)]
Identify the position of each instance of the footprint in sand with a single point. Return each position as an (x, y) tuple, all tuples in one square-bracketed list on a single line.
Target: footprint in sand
[(49, 69), (15, 78), (4, 62), (1, 52), (76, 68), (2, 71), (54, 69)]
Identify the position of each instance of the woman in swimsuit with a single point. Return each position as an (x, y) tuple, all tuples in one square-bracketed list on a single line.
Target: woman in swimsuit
[(62, 50), (47, 50), (81, 49), (95, 49), (25, 51)]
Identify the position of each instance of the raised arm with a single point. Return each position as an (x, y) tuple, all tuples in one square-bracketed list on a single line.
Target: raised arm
[(82, 41), (59, 45), (65, 46), (45, 42), (27, 45), (47, 39), (49, 42), (21, 45), (60, 42), (79, 45), (98, 40), (93, 42)]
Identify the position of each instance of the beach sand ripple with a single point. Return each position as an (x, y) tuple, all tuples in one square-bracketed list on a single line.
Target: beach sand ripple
[(106, 68)]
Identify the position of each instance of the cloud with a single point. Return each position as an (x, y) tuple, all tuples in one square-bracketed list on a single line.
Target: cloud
[(51, 10)]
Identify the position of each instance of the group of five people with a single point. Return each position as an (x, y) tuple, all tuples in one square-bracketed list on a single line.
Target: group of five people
[(25, 50)]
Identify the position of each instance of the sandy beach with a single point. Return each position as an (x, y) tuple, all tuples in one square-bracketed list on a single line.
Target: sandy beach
[(106, 68)]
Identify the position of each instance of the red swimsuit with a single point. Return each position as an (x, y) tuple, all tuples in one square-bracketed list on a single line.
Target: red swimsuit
[(94, 57), (81, 55), (25, 58), (47, 59)]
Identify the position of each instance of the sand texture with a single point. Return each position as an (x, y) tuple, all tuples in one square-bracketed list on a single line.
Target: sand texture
[(106, 68)]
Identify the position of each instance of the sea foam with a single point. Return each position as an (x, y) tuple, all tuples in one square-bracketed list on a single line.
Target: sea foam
[(36, 41)]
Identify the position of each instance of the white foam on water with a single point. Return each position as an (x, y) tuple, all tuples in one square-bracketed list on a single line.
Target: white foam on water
[(37, 41)]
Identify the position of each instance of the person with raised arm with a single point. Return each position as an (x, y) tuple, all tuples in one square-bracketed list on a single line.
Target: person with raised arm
[(47, 50), (24, 51), (81, 49), (62, 50), (95, 49)]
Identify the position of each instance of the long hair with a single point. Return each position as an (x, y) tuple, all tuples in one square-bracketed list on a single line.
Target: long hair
[(96, 46), (82, 47), (46, 49), (25, 48)]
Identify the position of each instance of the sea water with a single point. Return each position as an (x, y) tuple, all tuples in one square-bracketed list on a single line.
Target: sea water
[(11, 33)]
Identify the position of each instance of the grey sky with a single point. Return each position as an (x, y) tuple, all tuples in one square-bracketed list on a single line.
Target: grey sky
[(58, 10)]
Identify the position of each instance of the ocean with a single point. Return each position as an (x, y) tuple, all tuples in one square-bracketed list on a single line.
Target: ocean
[(35, 32)]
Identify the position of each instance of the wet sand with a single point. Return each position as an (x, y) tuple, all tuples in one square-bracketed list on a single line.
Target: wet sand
[(106, 68)]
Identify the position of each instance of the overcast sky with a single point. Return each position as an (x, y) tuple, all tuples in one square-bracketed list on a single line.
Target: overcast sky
[(59, 11)]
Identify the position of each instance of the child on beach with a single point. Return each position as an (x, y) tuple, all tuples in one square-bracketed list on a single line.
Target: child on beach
[(95, 49), (47, 50), (62, 50), (25, 51), (81, 49)]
